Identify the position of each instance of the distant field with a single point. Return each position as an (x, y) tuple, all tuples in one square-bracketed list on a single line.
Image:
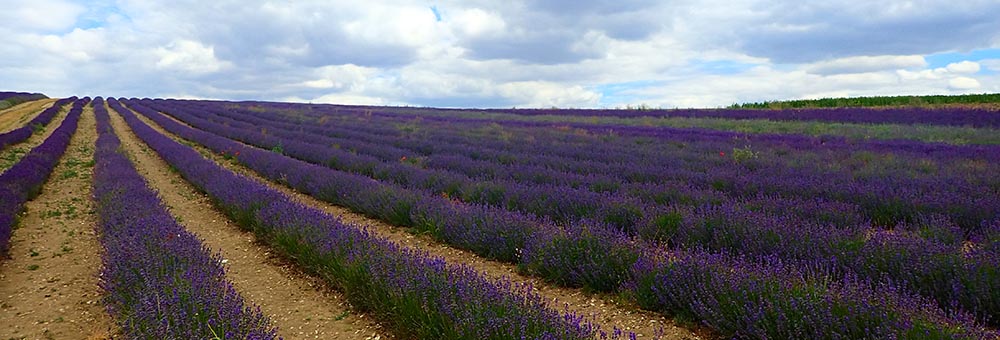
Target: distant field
[(986, 133), (467, 223), (8, 99), (986, 99)]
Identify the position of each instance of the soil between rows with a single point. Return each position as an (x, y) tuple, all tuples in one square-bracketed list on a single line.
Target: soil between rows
[(49, 285), (298, 304), (605, 309)]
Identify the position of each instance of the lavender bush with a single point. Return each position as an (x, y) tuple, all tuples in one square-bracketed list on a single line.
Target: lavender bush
[(160, 281), (419, 296), (22, 133), (573, 257), (24, 180), (832, 234)]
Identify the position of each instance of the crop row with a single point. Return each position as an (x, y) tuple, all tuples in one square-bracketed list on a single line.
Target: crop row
[(951, 116), (22, 133), (955, 116), (24, 180), (937, 260), (8, 99), (608, 260), (416, 294), (401, 118), (160, 282), (955, 194), (8, 95)]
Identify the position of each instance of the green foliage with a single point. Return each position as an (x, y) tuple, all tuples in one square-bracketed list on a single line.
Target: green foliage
[(663, 227), (984, 98), (278, 149), (927, 133), (744, 154)]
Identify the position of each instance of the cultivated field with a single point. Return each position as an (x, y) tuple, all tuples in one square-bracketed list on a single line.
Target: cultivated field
[(152, 218)]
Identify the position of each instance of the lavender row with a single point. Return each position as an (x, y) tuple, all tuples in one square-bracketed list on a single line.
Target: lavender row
[(319, 114), (159, 280), (8, 99), (595, 257), (419, 295), (22, 133), (845, 215), (9, 95), (936, 266), (24, 180), (945, 115), (951, 115), (427, 136), (962, 199), (436, 174)]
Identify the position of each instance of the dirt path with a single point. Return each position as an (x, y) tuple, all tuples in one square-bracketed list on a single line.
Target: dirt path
[(607, 310), (300, 305), (13, 153), (49, 286), (18, 115)]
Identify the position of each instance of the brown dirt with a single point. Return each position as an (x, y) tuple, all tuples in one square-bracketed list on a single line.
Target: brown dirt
[(606, 310), (299, 305), (13, 153), (49, 286), (18, 115)]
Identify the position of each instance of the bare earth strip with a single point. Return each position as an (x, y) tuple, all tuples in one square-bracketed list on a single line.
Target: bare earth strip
[(606, 310), (20, 114), (300, 305), (13, 153), (49, 286)]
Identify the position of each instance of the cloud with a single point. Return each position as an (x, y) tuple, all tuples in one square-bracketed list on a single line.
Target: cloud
[(190, 57), (863, 64), (803, 32), (480, 53), (963, 83), (39, 16), (991, 64), (963, 67), (476, 22)]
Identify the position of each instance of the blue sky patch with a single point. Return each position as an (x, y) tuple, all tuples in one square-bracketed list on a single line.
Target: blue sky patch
[(723, 67), (943, 59), (616, 94), (437, 13), (97, 15)]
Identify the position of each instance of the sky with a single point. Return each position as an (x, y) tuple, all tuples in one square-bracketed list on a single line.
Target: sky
[(501, 54)]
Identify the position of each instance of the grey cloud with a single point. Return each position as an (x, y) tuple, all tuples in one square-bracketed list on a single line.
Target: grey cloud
[(575, 7), (250, 34), (794, 32), (464, 101), (535, 47), (551, 32)]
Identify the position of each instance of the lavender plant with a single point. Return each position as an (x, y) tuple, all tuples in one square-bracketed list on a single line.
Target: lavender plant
[(22, 133), (159, 281), (24, 180), (419, 296), (572, 257)]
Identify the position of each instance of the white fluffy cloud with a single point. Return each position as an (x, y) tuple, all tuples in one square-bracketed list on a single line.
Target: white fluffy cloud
[(40, 16), (963, 83), (188, 56), (497, 54), (965, 66)]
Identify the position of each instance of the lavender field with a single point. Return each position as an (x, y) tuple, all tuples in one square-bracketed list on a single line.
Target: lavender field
[(722, 233)]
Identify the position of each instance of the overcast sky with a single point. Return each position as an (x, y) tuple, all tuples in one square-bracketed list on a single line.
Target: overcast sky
[(566, 53)]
